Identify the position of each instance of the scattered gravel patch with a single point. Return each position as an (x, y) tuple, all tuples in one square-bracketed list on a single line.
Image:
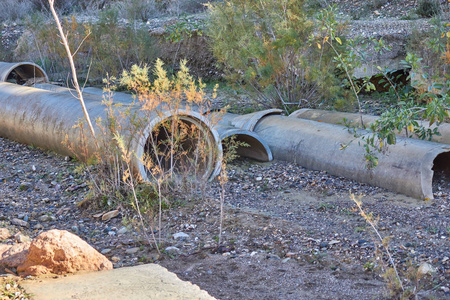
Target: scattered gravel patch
[(289, 233)]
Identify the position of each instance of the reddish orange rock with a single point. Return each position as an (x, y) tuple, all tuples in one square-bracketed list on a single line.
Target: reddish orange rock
[(60, 252), (13, 255)]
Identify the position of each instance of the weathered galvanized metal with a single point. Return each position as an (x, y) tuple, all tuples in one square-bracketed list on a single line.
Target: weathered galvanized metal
[(334, 117)]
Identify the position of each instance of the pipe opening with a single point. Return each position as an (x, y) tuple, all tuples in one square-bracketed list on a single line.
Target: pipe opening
[(255, 149), (180, 146), (26, 74), (441, 174)]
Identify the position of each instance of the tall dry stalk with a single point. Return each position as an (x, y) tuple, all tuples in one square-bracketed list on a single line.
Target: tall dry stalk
[(74, 71)]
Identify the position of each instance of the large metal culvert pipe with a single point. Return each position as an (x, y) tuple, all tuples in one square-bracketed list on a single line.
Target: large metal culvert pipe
[(256, 147), (334, 117), (22, 72), (43, 119), (407, 168)]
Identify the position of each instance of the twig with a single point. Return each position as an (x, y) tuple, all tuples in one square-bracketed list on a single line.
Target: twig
[(74, 72)]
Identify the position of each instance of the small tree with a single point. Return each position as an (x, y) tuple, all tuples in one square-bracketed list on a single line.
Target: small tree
[(264, 48)]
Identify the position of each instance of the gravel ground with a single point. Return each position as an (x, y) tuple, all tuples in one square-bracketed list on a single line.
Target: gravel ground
[(289, 233)]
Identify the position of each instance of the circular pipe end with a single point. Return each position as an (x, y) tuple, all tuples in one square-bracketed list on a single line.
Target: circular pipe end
[(21, 72), (193, 151)]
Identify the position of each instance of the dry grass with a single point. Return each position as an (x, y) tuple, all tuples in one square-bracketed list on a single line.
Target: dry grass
[(13, 10)]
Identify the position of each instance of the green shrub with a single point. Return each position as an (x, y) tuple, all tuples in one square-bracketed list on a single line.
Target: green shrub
[(428, 8), (264, 48)]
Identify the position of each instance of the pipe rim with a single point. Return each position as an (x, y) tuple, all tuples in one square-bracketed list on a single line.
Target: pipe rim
[(215, 155), (7, 68), (240, 132)]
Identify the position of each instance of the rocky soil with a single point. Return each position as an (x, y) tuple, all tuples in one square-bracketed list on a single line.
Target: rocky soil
[(289, 233)]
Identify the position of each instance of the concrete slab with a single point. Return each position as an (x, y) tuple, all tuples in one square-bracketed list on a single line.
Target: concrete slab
[(149, 281)]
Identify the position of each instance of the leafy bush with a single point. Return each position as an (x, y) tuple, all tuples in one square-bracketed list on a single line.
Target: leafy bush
[(264, 48), (428, 8)]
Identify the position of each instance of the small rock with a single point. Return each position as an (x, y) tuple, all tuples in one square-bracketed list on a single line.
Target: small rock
[(172, 250), (105, 251), (115, 258), (180, 236), (122, 230), (7, 286), (132, 250), (44, 218), (4, 234), (425, 268), (110, 215), (19, 222), (324, 245), (12, 256), (38, 226), (259, 178), (20, 238)]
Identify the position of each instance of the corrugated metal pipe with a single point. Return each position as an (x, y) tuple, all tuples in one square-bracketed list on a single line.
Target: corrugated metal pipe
[(44, 119)]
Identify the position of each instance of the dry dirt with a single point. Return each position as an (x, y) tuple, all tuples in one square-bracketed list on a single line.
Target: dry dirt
[(289, 233)]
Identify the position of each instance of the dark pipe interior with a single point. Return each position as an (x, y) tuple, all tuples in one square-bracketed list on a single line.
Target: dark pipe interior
[(23, 73), (441, 176), (188, 153)]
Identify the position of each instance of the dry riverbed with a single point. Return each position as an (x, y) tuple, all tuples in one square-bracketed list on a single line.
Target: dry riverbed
[(289, 233)]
